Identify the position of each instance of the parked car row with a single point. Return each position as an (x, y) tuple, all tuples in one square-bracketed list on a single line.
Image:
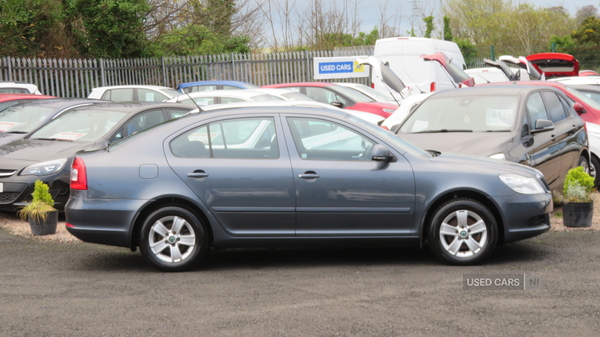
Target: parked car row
[(301, 163)]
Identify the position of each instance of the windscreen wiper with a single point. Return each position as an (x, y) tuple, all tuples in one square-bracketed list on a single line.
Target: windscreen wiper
[(54, 139), (444, 131)]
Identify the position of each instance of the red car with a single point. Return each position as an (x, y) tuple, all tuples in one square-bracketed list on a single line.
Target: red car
[(339, 96), (587, 108), (7, 100), (555, 64)]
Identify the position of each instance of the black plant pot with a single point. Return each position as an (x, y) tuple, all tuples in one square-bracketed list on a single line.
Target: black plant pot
[(578, 214), (44, 227)]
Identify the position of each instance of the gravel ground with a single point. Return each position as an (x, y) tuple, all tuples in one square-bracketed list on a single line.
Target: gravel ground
[(11, 223)]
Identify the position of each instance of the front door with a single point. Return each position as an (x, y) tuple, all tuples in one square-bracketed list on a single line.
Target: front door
[(340, 191)]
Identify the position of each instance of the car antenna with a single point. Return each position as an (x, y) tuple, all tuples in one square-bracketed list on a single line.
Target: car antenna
[(415, 83), (485, 79), (196, 104)]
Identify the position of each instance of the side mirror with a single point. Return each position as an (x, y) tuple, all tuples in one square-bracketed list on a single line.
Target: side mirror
[(337, 104), (381, 153), (542, 125), (579, 108)]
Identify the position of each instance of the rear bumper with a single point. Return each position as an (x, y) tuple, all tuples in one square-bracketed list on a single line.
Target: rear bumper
[(102, 221)]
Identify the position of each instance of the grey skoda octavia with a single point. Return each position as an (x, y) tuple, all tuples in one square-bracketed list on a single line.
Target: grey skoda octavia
[(282, 176)]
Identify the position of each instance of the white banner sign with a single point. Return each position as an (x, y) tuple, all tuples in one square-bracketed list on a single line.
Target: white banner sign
[(339, 67)]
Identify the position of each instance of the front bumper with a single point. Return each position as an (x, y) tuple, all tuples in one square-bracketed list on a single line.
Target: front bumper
[(525, 216), (17, 190)]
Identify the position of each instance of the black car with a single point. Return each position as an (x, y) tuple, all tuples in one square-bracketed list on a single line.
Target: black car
[(531, 125), (281, 176), (47, 153), (19, 120)]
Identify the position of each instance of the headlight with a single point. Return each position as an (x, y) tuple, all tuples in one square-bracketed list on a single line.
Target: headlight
[(47, 167), (389, 110), (523, 185), (500, 156)]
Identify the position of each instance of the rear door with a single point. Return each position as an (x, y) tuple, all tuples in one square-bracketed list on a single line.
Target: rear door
[(239, 168), (543, 147)]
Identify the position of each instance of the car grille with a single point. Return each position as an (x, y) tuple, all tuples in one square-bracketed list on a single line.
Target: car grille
[(11, 192), (540, 220), (10, 197), (6, 173)]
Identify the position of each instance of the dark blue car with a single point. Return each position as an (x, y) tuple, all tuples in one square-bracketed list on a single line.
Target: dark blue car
[(214, 85), (282, 176)]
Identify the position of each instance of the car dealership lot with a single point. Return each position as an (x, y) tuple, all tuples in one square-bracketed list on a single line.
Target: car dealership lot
[(62, 289)]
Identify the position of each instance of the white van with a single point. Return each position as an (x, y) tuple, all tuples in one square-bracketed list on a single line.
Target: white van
[(403, 56)]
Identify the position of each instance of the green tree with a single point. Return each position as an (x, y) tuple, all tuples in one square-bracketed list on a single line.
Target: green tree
[(32, 28), (429, 26), (447, 29), (198, 40), (588, 33), (108, 28)]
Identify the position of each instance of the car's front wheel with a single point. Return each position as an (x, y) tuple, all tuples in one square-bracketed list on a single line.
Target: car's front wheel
[(173, 239), (462, 232)]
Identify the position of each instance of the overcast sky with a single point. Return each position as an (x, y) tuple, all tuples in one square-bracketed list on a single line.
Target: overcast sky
[(370, 10)]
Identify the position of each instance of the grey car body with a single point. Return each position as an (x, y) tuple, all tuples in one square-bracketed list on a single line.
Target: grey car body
[(17, 156), (500, 122), (320, 177)]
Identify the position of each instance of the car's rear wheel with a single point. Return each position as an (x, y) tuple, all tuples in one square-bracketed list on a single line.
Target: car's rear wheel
[(173, 239), (584, 163), (594, 167), (462, 232)]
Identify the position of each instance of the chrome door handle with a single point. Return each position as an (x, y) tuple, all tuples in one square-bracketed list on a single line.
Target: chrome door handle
[(198, 174), (309, 175)]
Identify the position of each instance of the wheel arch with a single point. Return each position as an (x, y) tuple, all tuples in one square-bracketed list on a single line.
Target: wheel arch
[(166, 201), (456, 194)]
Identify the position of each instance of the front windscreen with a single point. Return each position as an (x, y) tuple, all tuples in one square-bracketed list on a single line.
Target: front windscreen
[(353, 94), (463, 114), (23, 118), (582, 97), (296, 96), (85, 125), (380, 96)]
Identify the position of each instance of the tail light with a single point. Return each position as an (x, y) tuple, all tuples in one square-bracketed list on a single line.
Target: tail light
[(78, 175), (372, 85), (432, 87)]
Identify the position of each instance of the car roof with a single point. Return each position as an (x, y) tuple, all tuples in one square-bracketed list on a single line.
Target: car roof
[(156, 87), (224, 93), (58, 103), (493, 88), (533, 82), (12, 97), (238, 84), (299, 84), (135, 107)]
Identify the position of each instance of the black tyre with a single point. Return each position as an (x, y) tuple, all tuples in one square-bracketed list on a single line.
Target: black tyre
[(463, 232), (173, 239), (594, 171), (584, 163)]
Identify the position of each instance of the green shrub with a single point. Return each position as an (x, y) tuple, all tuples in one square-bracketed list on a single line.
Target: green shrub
[(40, 205), (578, 186)]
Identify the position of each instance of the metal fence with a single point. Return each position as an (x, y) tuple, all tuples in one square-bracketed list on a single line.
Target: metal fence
[(77, 77)]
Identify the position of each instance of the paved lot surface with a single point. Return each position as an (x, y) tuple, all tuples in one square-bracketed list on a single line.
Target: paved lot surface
[(77, 289)]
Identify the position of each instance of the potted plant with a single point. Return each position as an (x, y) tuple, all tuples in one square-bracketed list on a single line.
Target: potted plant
[(578, 192), (40, 212)]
